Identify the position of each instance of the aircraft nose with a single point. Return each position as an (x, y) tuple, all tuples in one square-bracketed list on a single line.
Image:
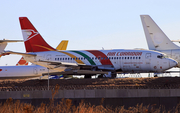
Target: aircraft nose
[(172, 63)]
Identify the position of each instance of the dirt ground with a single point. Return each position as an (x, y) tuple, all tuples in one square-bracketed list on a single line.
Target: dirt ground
[(103, 83)]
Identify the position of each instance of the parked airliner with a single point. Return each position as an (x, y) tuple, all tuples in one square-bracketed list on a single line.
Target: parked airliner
[(157, 39), (22, 69), (89, 61)]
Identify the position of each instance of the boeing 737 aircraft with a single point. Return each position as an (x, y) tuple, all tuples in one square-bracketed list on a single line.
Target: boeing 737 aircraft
[(23, 70), (157, 39), (89, 61)]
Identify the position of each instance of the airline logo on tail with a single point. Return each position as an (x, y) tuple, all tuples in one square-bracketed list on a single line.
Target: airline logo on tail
[(29, 33)]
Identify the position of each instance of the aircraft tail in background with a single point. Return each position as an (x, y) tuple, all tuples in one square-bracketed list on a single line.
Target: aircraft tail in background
[(62, 45), (21, 62), (32, 39), (156, 38)]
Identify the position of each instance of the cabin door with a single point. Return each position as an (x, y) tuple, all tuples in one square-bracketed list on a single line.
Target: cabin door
[(148, 61)]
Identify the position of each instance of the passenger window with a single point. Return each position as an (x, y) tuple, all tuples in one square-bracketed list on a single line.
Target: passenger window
[(130, 57), (124, 57), (119, 57), (65, 58), (73, 58), (99, 58), (92, 58), (109, 57), (133, 57), (139, 57), (114, 57), (127, 57)]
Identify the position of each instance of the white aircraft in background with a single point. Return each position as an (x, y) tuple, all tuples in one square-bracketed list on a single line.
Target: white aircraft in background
[(23, 70), (89, 61), (157, 39)]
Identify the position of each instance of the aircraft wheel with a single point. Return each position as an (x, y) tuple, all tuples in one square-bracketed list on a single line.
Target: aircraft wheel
[(87, 76), (113, 75), (101, 76)]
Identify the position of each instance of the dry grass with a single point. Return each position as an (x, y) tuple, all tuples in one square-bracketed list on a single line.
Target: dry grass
[(66, 106)]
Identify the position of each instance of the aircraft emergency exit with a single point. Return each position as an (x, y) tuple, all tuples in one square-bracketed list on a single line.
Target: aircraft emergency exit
[(89, 61), (157, 39)]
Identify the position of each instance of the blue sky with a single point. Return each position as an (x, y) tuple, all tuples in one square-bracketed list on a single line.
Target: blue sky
[(91, 24)]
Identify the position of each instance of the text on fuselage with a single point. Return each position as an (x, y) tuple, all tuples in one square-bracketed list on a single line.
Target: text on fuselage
[(124, 53)]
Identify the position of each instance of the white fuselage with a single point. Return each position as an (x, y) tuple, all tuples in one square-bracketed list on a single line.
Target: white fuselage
[(132, 61), (17, 72), (174, 54)]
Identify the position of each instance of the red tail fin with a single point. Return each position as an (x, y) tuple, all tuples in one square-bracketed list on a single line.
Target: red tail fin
[(22, 62), (32, 39)]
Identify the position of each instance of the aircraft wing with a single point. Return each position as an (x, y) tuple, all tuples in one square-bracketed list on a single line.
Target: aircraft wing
[(18, 53), (76, 72), (67, 64), (58, 63), (3, 44)]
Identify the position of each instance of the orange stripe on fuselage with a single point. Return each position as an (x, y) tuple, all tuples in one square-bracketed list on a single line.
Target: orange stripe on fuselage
[(72, 56), (48, 49)]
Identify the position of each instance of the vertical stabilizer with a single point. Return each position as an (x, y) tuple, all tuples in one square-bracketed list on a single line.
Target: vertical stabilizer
[(22, 62), (32, 39), (62, 45), (155, 37)]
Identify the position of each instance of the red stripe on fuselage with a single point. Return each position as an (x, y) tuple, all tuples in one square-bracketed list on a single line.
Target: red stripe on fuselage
[(103, 58)]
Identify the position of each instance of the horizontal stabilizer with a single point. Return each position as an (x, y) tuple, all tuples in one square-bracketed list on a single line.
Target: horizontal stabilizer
[(7, 41), (18, 53)]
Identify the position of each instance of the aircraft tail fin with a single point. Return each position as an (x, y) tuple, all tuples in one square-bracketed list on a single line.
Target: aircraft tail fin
[(62, 45), (21, 62), (155, 37), (32, 39)]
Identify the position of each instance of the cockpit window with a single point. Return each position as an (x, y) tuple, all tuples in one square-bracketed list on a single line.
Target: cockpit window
[(161, 56)]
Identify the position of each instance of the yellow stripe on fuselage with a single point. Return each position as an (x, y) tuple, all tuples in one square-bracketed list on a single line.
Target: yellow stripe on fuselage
[(72, 56)]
